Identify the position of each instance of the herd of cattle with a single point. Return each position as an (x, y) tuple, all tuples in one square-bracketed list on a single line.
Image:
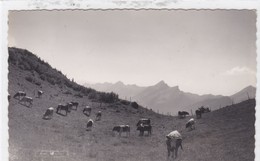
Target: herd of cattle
[(173, 139)]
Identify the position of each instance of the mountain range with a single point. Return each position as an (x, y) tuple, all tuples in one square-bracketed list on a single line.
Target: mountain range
[(165, 99)]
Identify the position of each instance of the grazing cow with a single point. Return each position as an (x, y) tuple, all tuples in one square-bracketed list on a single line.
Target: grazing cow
[(204, 109), (89, 124), (75, 104), (122, 128), (19, 95), (98, 116), (87, 110), (40, 93), (27, 101), (142, 128), (70, 106), (144, 121), (207, 110), (191, 124), (173, 142), (198, 114), (182, 114), (66, 108), (48, 114)]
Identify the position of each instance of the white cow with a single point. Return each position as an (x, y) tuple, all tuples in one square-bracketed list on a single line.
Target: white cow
[(191, 124), (40, 93), (48, 114), (173, 142), (20, 95), (27, 101), (89, 124), (87, 110)]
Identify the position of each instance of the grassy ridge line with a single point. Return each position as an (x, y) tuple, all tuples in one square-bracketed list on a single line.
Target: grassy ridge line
[(42, 71)]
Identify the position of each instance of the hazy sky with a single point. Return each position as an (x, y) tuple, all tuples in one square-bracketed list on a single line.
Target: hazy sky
[(205, 51)]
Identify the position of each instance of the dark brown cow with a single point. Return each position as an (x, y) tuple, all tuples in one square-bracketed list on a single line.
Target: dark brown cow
[(182, 114), (144, 121), (142, 128), (65, 108)]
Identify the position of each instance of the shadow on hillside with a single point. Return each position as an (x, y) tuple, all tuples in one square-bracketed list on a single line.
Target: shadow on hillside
[(86, 114), (59, 113), (26, 105)]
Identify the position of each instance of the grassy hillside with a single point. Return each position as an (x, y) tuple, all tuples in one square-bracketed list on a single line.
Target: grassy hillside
[(223, 135)]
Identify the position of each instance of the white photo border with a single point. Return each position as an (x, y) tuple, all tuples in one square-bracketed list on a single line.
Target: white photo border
[(7, 5)]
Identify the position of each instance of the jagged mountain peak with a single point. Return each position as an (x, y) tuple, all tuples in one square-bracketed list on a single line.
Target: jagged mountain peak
[(161, 84), (119, 83)]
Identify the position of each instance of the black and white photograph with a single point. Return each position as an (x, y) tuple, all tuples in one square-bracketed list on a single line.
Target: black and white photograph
[(132, 85)]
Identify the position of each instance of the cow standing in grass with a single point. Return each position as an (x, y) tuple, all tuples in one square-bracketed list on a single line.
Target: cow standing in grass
[(182, 114), (40, 93), (98, 116), (142, 128), (198, 114), (89, 125), (74, 104), (145, 121), (65, 108), (191, 124), (87, 110), (19, 95), (27, 101), (122, 128), (173, 142), (48, 114), (144, 124)]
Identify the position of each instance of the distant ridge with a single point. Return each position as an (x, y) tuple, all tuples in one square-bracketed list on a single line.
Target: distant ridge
[(165, 99)]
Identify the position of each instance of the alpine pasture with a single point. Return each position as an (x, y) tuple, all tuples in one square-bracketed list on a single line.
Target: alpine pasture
[(226, 134)]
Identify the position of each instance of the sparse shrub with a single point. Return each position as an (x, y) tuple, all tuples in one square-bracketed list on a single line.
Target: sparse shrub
[(108, 97), (38, 69), (78, 95), (51, 80), (38, 83), (93, 154), (92, 95), (29, 79), (58, 81), (67, 92), (21, 66), (43, 77), (134, 105), (124, 102)]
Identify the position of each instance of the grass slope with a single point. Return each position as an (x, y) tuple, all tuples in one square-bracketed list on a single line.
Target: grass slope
[(223, 135)]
